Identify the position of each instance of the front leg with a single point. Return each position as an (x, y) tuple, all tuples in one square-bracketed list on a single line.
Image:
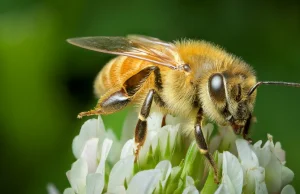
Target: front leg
[(247, 129), (203, 148)]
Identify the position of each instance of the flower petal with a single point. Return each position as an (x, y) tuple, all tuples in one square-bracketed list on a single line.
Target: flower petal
[(117, 190), (255, 180), (287, 175), (189, 181), (154, 121), (144, 182), (128, 126), (114, 156), (89, 154), (90, 129), (121, 172), (226, 139), (233, 169), (107, 143), (165, 167), (226, 186), (77, 175), (69, 191), (260, 185), (279, 152), (263, 154), (94, 183), (247, 156), (127, 149), (273, 175), (143, 155), (258, 144), (289, 189), (163, 139), (190, 190), (172, 135), (171, 120)]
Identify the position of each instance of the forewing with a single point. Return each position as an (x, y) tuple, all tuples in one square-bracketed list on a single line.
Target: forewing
[(149, 40), (140, 47)]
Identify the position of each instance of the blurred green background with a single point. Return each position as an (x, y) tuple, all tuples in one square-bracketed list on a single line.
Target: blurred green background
[(45, 82)]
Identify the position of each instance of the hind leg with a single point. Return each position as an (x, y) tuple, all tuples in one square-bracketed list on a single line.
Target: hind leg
[(120, 97), (109, 103)]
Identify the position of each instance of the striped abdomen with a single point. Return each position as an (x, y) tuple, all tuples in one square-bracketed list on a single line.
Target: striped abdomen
[(117, 71)]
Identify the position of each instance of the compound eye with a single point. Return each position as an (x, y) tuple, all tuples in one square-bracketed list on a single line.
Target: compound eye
[(216, 87)]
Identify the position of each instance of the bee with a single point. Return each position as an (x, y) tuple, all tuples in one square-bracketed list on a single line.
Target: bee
[(192, 79)]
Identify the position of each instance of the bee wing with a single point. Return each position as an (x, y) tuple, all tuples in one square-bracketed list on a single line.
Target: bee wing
[(150, 40), (140, 47)]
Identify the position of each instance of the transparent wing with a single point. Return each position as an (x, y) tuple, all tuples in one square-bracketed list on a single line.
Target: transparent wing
[(140, 47), (150, 40)]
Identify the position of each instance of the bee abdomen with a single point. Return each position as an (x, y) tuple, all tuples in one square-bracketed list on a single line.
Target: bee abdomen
[(116, 72)]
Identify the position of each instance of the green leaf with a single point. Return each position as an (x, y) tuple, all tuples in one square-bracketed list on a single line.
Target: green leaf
[(158, 189), (150, 163), (178, 151), (194, 165), (180, 188), (173, 180), (168, 148), (157, 153)]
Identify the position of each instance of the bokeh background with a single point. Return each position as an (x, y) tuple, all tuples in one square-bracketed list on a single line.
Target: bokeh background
[(45, 82)]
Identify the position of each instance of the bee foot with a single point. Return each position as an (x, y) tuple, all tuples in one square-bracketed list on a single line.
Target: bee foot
[(88, 113), (216, 179), (137, 148)]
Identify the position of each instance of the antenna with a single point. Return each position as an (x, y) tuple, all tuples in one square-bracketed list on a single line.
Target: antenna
[(297, 85)]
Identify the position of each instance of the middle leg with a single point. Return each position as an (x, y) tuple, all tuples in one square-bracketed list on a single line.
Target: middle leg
[(141, 127), (203, 148)]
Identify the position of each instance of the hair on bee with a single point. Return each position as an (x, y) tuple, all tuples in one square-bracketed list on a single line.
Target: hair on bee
[(191, 79)]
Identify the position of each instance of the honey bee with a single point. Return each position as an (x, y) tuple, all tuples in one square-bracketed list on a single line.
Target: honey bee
[(191, 79)]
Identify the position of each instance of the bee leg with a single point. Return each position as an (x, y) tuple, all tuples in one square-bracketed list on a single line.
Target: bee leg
[(89, 113), (158, 82), (203, 148), (112, 102), (157, 98), (247, 129), (163, 122), (109, 103), (160, 103), (141, 126)]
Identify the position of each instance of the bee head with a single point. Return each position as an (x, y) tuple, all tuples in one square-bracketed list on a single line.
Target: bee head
[(228, 100)]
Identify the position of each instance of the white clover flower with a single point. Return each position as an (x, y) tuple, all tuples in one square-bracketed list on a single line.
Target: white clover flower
[(169, 163)]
